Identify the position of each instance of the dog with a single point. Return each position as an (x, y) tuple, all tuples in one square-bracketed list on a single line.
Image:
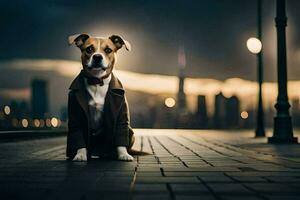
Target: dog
[(97, 106)]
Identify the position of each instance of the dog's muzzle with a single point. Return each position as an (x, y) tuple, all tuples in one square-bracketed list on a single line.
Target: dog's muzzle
[(97, 62)]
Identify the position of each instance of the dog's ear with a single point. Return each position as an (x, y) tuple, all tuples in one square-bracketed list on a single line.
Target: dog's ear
[(119, 42), (78, 39)]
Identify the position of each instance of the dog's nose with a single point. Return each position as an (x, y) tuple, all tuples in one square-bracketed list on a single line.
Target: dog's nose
[(97, 57)]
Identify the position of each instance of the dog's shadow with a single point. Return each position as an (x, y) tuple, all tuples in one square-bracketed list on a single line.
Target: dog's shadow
[(134, 152)]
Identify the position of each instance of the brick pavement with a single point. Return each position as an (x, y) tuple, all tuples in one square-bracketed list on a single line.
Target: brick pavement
[(184, 164)]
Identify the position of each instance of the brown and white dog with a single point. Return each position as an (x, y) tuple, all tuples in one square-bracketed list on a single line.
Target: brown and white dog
[(98, 56)]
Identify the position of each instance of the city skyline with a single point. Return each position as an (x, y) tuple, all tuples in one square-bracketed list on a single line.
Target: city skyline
[(159, 76), (60, 73)]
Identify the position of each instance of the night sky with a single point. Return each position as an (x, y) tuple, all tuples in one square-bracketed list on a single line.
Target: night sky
[(213, 33)]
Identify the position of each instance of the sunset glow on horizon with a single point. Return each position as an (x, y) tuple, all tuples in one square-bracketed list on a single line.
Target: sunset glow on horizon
[(156, 84)]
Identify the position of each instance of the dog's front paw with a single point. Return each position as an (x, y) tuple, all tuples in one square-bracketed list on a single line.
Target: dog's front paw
[(125, 157), (123, 154), (81, 155)]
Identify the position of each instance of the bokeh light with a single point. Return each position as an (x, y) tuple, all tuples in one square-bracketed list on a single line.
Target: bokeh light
[(54, 122), (48, 122), (42, 123), (36, 123), (244, 115), (24, 123), (7, 110), (170, 102), (254, 45)]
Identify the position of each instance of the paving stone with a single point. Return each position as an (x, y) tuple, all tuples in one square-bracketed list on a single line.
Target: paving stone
[(189, 188), (117, 179), (201, 174), (263, 174), (92, 195), (145, 173), (239, 197), (249, 179), (149, 169), (194, 197), (283, 197), (212, 179), (229, 188), (272, 188), (283, 179), (167, 180), (112, 187), (149, 188), (118, 173), (201, 169), (151, 197)]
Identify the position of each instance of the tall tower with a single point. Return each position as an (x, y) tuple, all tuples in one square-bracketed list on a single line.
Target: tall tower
[(181, 99), (39, 98)]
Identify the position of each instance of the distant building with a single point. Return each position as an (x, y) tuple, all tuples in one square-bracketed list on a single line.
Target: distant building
[(250, 121), (219, 114), (64, 113), (39, 98), (201, 114), (295, 107), (232, 112), (19, 109)]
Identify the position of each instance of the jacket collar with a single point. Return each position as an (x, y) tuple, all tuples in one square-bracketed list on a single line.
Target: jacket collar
[(115, 85)]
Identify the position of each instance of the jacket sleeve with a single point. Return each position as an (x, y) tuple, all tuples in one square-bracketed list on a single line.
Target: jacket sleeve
[(75, 137), (122, 126)]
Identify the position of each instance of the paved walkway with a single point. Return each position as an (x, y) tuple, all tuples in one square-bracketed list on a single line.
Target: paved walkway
[(184, 164)]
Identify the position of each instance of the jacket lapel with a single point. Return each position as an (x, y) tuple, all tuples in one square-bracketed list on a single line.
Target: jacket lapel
[(113, 100), (81, 94), (114, 97), (83, 101)]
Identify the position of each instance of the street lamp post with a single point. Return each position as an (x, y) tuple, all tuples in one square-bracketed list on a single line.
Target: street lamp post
[(260, 128), (255, 46), (283, 129)]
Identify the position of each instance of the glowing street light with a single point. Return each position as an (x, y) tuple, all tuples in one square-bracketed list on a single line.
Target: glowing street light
[(24, 123), (7, 110), (36, 123), (42, 123), (244, 115), (54, 122), (254, 45), (170, 102), (48, 123)]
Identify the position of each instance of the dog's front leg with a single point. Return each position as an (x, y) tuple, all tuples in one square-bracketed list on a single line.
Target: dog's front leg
[(123, 154), (81, 155)]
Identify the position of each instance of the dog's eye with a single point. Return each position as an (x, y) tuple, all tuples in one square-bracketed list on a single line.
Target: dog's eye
[(89, 49), (107, 50)]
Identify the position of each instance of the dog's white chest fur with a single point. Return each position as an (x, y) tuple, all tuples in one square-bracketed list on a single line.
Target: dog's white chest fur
[(97, 100)]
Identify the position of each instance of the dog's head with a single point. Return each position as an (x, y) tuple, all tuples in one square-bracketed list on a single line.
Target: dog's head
[(98, 55)]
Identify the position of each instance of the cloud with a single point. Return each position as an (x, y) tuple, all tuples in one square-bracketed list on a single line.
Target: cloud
[(63, 67), (152, 83), (16, 94)]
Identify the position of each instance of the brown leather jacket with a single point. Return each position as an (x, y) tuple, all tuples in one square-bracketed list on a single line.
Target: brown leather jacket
[(115, 131)]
